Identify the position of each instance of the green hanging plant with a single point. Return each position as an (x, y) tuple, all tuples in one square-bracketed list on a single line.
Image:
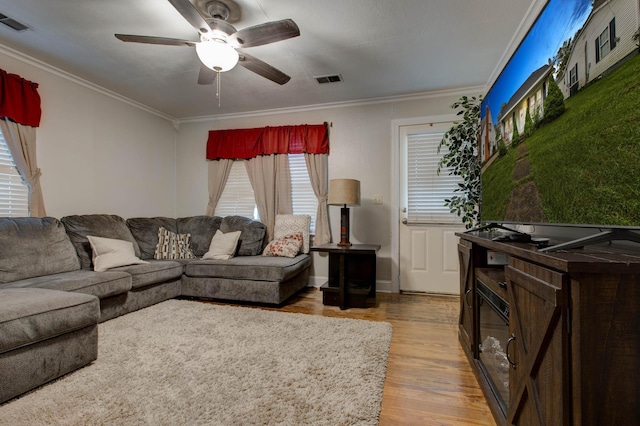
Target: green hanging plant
[(461, 159)]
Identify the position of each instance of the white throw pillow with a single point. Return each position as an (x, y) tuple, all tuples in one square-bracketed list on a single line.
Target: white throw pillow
[(292, 223), (109, 253), (223, 246)]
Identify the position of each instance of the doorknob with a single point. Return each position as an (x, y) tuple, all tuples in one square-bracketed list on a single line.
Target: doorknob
[(404, 210), (405, 221)]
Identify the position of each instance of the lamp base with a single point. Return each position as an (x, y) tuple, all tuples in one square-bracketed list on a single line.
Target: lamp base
[(344, 227)]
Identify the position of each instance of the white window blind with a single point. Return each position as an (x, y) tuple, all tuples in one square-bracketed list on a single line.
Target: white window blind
[(14, 194), (237, 197), (302, 196), (426, 190)]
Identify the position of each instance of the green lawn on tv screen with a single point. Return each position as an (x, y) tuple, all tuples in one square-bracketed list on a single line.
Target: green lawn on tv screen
[(586, 163)]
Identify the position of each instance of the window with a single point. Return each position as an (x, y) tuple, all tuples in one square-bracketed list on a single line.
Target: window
[(14, 194), (426, 190), (603, 44), (573, 76), (302, 196), (237, 197), (606, 41)]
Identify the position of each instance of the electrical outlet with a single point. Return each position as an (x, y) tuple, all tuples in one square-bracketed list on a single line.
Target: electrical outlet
[(377, 199)]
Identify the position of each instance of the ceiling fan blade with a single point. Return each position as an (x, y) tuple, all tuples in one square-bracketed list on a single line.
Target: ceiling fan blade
[(155, 40), (207, 75), (266, 33), (262, 68), (192, 15)]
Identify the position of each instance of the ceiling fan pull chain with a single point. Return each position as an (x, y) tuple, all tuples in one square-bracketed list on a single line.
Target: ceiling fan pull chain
[(218, 87)]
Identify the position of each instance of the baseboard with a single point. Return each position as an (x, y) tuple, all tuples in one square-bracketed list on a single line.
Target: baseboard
[(384, 286), (316, 281)]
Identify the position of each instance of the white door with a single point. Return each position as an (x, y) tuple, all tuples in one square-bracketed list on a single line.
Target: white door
[(428, 260)]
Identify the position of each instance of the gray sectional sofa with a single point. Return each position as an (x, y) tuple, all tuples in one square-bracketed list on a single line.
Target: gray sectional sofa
[(51, 299)]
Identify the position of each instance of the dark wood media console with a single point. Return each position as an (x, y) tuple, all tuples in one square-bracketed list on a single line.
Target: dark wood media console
[(574, 331)]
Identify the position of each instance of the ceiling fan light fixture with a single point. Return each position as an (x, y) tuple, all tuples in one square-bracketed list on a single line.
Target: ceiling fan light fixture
[(217, 55)]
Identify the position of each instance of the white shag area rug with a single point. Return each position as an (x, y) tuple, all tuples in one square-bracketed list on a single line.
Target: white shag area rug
[(185, 362)]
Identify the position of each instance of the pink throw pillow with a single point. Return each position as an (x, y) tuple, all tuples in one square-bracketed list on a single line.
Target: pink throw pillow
[(287, 246)]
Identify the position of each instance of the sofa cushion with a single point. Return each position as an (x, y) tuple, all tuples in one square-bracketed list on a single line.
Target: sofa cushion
[(153, 272), (258, 268), (202, 230), (98, 225), (30, 315), (32, 247), (145, 231), (252, 237), (100, 284)]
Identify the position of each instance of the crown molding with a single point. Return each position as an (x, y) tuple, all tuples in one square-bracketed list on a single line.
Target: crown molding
[(345, 104), (19, 56)]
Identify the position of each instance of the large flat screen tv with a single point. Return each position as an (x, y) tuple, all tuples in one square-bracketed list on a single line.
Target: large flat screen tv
[(560, 140)]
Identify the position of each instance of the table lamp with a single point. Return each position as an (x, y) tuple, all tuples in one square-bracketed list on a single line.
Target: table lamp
[(344, 192)]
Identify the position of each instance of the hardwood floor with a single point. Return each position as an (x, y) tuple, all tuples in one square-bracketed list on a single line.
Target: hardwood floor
[(429, 381)]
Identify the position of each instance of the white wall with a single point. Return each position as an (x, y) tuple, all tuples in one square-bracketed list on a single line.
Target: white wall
[(361, 148), (98, 153)]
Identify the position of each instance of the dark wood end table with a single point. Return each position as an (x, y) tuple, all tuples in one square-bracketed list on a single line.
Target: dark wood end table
[(352, 275)]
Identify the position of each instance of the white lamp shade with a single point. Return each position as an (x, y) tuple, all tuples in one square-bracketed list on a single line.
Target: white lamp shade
[(344, 191), (217, 55)]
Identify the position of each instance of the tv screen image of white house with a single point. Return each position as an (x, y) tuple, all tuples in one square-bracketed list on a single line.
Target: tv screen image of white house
[(560, 140)]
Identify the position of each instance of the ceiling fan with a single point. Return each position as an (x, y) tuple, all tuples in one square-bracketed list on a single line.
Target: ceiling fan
[(219, 40)]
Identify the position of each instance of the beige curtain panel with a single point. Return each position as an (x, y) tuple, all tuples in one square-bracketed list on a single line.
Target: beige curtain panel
[(271, 183), (318, 168), (218, 174), (21, 141)]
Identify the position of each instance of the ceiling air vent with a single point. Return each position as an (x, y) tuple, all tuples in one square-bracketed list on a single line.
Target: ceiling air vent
[(336, 78), (12, 23)]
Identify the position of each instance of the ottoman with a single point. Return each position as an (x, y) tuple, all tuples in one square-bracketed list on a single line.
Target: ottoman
[(44, 334)]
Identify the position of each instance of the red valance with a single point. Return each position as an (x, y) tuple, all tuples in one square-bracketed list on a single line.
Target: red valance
[(19, 100), (249, 143)]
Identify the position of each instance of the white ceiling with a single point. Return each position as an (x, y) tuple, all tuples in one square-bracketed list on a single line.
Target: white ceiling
[(382, 48)]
